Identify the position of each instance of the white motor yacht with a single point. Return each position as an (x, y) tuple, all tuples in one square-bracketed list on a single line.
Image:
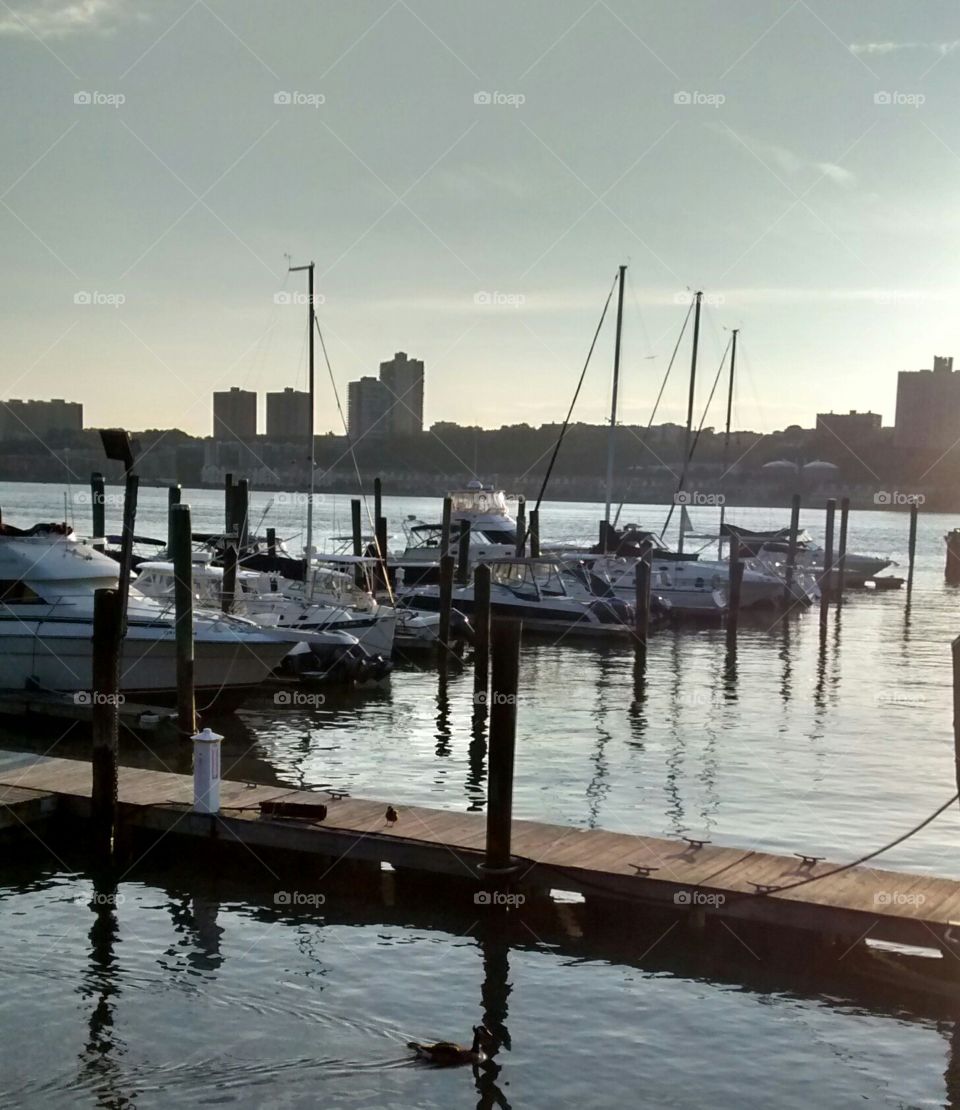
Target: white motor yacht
[(47, 584)]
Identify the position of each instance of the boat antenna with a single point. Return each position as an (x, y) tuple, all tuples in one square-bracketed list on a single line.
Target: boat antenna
[(612, 435), (576, 394), (311, 453), (726, 434)]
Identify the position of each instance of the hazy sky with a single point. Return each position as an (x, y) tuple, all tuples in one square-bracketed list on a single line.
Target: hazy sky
[(799, 161)]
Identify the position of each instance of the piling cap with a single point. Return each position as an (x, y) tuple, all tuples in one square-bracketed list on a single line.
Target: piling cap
[(208, 736)]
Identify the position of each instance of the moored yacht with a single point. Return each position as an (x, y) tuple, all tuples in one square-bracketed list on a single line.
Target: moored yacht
[(47, 585)]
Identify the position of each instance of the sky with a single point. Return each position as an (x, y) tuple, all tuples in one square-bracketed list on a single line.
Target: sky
[(468, 177)]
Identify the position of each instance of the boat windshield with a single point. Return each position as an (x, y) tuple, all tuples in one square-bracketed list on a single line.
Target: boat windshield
[(472, 502)]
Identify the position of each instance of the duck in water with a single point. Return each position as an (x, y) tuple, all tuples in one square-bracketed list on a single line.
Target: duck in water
[(446, 1054)]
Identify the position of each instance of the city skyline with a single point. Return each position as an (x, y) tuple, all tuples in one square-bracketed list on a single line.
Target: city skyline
[(468, 194)]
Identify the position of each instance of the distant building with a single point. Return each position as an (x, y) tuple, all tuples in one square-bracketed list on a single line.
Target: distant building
[(849, 426), (928, 407), (36, 419), (403, 377), (368, 403), (288, 415), (235, 415)]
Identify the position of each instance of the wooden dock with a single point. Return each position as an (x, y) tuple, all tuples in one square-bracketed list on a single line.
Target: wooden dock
[(696, 880)]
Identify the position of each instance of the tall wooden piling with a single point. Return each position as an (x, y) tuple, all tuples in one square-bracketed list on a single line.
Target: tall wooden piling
[(357, 530), (445, 528), (734, 589), (173, 498), (827, 575), (107, 642), (956, 709), (228, 510), (131, 491), (792, 549), (180, 552), (229, 575), (381, 535), (447, 563), (842, 553), (98, 506), (242, 513), (463, 554), (912, 542), (643, 572), (505, 671), (521, 527), (272, 542), (534, 533), (481, 632), (951, 570), (377, 502)]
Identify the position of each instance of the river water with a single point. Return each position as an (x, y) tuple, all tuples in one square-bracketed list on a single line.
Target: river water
[(198, 988)]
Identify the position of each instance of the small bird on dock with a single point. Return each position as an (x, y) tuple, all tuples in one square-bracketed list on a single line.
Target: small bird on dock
[(391, 815), (446, 1054)]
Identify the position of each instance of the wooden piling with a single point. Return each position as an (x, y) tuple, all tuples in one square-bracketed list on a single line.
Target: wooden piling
[(842, 553), (229, 575), (827, 574), (643, 574), (534, 533), (107, 641), (242, 514), (447, 563), (228, 511), (734, 589), (463, 554), (951, 570), (792, 549), (180, 552), (481, 632), (173, 498), (356, 527), (521, 527), (272, 542), (377, 502), (98, 505), (445, 537), (912, 542), (505, 670), (381, 577), (131, 489)]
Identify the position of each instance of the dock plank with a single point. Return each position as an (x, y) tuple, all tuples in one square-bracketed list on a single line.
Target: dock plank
[(889, 905)]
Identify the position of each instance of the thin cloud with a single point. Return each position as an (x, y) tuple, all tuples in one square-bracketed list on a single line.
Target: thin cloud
[(54, 19), (891, 47), (788, 161)]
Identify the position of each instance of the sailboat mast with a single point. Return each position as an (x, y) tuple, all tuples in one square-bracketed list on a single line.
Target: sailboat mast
[(611, 439), (726, 434), (311, 453), (690, 402)]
